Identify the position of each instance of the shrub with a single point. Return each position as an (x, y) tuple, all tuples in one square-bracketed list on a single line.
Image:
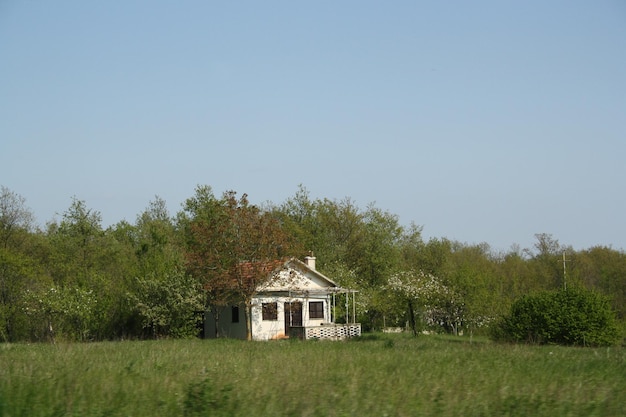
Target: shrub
[(166, 303), (568, 317)]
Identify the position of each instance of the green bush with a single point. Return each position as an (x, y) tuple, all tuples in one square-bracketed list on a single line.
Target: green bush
[(568, 317)]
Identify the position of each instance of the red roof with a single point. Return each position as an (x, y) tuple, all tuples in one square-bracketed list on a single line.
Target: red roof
[(253, 270)]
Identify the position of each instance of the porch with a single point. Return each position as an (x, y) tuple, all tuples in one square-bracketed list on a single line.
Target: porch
[(326, 331)]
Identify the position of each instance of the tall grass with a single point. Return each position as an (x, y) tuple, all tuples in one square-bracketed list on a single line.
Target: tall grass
[(377, 375)]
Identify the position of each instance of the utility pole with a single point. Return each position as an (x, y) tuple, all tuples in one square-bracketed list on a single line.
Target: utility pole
[(564, 272)]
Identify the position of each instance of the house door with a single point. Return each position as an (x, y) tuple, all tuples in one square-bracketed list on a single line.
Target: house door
[(293, 315)]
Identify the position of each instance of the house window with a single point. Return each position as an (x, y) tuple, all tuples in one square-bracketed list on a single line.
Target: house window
[(234, 311), (270, 311), (316, 309)]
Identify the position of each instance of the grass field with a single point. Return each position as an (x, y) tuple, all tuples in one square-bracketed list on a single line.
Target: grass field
[(376, 375)]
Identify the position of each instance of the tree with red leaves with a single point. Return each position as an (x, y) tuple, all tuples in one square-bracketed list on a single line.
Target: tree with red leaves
[(232, 247)]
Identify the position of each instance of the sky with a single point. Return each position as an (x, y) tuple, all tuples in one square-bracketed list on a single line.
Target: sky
[(482, 122)]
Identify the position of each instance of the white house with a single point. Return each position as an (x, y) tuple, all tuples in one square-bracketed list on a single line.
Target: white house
[(297, 301)]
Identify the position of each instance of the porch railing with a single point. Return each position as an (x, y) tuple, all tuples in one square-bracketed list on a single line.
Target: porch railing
[(328, 331)]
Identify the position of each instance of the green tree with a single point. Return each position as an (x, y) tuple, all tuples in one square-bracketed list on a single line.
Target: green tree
[(423, 294), (15, 218), (376, 255), (547, 262), (164, 297), (516, 276), (63, 313), (158, 248), (332, 229), (84, 257), (434, 256), (298, 218), (602, 269), (19, 273), (167, 304), (117, 273), (77, 243), (19, 264), (368, 243), (473, 275)]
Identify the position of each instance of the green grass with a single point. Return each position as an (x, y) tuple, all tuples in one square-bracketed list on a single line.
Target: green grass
[(376, 375)]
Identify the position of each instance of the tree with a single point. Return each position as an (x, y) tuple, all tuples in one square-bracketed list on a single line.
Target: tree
[(151, 256), (332, 229), (15, 266), (84, 257), (602, 269), (420, 290), (516, 276), (77, 244), (376, 255), (432, 257), (14, 216), (472, 273), (167, 304), (232, 246), (63, 313), (20, 264), (547, 262), (158, 249), (19, 273), (298, 217), (203, 223), (344, 237)]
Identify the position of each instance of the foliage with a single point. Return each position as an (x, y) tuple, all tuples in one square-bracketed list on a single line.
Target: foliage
[(157, 245), (472, 273), (63, 313), (228, 245), (567, 317), (603, 269), (437, 303), (78, 245), (168, 304), (17, 276), (347, 238), (165, 298), (366, 301), (14, 216), (338, 231), (19, 269), (232, 246)]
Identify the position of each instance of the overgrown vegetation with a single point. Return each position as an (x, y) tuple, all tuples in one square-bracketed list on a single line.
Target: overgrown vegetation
[(75, 280), (377, 375)]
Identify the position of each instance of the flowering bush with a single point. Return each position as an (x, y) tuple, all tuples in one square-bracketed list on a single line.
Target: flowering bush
[(68, 313), (440, 306)]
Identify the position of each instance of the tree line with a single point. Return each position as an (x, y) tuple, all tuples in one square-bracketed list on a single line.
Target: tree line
[(77, 280)]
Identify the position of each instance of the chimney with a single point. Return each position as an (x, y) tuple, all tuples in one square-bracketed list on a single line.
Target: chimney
[(310, 261)]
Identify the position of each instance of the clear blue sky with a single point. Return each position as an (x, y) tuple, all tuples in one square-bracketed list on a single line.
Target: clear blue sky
[(482, 121)]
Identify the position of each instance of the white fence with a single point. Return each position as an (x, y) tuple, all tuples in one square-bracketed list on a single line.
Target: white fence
[(330, 331)]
